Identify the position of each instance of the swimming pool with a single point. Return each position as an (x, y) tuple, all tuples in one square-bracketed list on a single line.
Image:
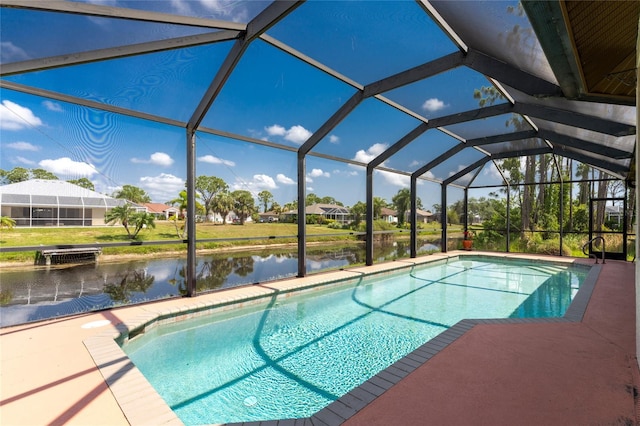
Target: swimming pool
[(290, 357)]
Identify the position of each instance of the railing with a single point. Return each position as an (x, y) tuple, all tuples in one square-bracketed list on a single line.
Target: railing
[(588, 244)]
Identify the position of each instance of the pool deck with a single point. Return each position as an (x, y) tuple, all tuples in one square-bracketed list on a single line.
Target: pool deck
[(557, 372)]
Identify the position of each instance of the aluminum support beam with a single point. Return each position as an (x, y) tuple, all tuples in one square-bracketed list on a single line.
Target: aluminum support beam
[(505, 137), (509, 75), (461, 117), (404, 141), (413, 250), (69, 59), (87, 9), (443, 216), (466, 209), (261, 23), (522, 153), (575, 119), (508, 239), (583, 145), (475, 114), (466, 170), (369, 217), (555, 162), (429, 69), (331, 123), (4, 84), (302, 219), (190, 222), (613, 168), (225, 70)]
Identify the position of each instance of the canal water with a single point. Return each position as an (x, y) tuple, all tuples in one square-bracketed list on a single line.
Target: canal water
[(34, 294)]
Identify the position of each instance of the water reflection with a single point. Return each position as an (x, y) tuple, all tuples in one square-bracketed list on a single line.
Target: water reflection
[(36, 294)]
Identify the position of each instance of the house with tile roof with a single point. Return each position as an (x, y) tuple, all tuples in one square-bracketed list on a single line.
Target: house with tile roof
[(161, 210)]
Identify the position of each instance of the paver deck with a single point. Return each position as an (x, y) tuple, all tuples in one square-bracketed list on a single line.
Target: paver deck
[(549, 373)]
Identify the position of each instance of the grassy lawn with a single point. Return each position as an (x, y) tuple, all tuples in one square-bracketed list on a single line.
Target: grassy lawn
[(164, 231)]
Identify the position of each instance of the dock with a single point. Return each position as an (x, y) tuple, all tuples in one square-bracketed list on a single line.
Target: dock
[(68, 255)]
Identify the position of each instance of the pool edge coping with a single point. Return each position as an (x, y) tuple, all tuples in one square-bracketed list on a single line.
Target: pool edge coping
[(142, 404)]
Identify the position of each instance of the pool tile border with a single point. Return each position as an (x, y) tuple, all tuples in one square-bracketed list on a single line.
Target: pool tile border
[(141, 403)]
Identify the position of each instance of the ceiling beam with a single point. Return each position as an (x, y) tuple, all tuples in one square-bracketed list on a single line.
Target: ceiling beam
[(509, 75), (439, 159), (331, 123), (87, 9), (412, 75), (575, 119), (481, 162), (461, 117), (4, 84), (505, 137), (581, 144), (261, 23), (115, 52)]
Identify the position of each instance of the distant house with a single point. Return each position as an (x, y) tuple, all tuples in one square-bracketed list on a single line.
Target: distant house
[(42, 202), (422, 216), (269, 216), (160, 210), (334, 212), (388, 215), (614, 214)]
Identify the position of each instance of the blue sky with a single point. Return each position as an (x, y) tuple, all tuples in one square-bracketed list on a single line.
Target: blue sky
[(271, 96)]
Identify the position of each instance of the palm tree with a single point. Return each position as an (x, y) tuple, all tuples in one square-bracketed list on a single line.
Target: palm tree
[(142, 220), (378, 204), (358, 211), (265, 197), (223, 204), (120, 214), (243, 204), (402, 203), (182, 203), (133, 194), (7, 222)]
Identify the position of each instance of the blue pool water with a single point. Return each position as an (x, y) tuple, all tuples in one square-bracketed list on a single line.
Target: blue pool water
[(294, 356)]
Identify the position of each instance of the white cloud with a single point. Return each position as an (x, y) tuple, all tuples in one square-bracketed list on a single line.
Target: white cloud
[(23, 146), (284, 179), (276, 130), (334, 139), (459, 169), (52, 106), (65, 166), (25, 161), (257, 183), (309, 188), (308, 179), (395, 179), (372, 152), (319, 173), (12, 53), (157, 158), (433, 104), (218, 9), (296, 134), (215, 160), (163, 187), (16, 117)]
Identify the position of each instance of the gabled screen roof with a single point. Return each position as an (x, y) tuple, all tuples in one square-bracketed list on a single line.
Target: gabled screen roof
[(403, 85)]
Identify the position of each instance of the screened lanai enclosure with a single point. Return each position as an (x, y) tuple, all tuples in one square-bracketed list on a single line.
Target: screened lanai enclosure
[(511, 123)]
